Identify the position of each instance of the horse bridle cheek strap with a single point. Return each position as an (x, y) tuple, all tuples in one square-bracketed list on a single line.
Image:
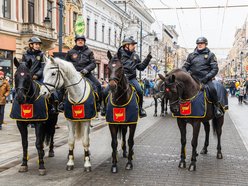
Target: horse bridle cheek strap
[(57, 79), (180, 89)]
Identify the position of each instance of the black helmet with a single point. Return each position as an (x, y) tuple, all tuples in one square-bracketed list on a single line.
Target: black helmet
[(128, 40), (80, 37), (202, 40), (34, 40)]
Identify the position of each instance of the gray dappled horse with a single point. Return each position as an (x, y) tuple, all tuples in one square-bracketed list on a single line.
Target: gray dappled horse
[(181, 86)]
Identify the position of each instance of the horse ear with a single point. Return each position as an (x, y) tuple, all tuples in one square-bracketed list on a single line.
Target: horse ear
[(119, 54), (16, 62), (161, 77), (29, 63), (52, 59), (109, 55), (172, 78)]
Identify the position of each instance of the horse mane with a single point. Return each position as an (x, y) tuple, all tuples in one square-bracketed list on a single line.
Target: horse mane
[(181, 71)]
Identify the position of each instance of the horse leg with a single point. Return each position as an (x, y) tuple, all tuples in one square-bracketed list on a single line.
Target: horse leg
[(162, 108), (39, 132), (52, 124), (124, 146), (182, 127), (206, 143), (113, 130), (156, 107), (86, 144), (218, 123), (22, 126), (129, 165), (71, 142), (194, 142)]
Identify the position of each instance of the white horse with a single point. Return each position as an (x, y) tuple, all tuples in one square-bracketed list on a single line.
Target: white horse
[(57, 74)]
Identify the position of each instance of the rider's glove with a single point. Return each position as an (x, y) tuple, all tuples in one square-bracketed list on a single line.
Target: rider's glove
[(84, 71), (204, 80), (149, 56)]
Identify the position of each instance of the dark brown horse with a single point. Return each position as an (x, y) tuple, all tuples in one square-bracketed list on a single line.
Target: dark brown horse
[(27, 91), (181, 86), (121, 91)]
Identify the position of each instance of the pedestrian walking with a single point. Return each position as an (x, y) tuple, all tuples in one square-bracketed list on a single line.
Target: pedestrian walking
[(242, 92), (4, 92)]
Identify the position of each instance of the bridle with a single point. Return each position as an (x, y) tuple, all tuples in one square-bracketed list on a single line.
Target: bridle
[(179, 86), (58, 77)]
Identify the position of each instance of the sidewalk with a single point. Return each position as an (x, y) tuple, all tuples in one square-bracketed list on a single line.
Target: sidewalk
[(10, 138)]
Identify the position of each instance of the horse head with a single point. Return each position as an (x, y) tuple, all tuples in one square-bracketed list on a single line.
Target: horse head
[(53, 77), (23, 80), (116, 70), (172, 91)]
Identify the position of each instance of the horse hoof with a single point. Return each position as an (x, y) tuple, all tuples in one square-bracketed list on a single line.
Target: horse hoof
[(155, 115), (69, 167), (192, 167), (23, 169), (87, 169), (129, 166), (114, 169), (51, 154), (42, 172), (162, 115), (219, 156), (204, 151), (182, 165)]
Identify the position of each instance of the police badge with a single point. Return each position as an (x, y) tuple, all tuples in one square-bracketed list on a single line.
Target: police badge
[(206, 56), (38, 58)]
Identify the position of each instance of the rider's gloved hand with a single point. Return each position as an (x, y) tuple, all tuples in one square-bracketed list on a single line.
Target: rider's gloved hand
[(84, 71), (204, 80), (149, 56)]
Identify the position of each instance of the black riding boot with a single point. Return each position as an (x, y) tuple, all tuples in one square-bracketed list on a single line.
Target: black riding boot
[(142, 112)]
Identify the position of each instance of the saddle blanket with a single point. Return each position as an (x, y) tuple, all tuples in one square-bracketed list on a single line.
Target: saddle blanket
[(123, 114), (36, 111), (193, 108), (84, 111)]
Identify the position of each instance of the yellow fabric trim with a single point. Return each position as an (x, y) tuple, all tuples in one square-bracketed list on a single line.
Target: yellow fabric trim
[(83, 100), (123, 104), (122, 123)]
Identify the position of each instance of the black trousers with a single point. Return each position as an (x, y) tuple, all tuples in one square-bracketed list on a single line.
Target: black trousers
[(212, 92)]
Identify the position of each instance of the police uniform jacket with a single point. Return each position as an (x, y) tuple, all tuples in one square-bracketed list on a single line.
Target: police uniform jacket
[(202, 64), (37, 58), (81, 58), (131, 62)]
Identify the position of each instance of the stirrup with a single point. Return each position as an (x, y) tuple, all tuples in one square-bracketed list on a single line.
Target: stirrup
[(142, 113)]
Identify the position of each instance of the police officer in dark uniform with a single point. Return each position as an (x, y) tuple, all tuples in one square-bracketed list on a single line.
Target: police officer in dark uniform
[(83, 60), (202, 65), (131, 62), (37, 56)]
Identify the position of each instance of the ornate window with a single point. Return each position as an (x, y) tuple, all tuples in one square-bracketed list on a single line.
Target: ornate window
[(88, 27), (7, 9), (95, 26), (49, 10), (31, 11), (103, 32)]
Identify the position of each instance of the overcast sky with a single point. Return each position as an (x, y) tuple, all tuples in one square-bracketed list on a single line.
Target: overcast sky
[(219, 35)]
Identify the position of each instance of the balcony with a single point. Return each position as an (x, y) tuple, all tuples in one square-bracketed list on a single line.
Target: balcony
[(38, 30)]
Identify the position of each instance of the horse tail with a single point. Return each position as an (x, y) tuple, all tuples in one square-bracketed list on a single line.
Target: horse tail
[(215, 125), (119, 132), (50, 128), (78, 128)]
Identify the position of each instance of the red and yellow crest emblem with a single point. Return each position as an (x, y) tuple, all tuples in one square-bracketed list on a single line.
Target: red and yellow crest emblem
[(27, 111), (119, 114), (185, 108), (78, 111)]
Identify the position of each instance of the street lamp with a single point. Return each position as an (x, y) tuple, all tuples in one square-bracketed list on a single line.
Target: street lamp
[(47, 22), (241, 65)]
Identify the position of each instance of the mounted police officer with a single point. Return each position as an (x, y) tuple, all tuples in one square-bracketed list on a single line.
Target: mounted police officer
[(131, 62), (83, 60), (36, 56), (202, 65)]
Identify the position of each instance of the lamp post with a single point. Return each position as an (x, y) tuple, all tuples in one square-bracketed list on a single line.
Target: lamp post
[(241, 65), (47, 22)]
